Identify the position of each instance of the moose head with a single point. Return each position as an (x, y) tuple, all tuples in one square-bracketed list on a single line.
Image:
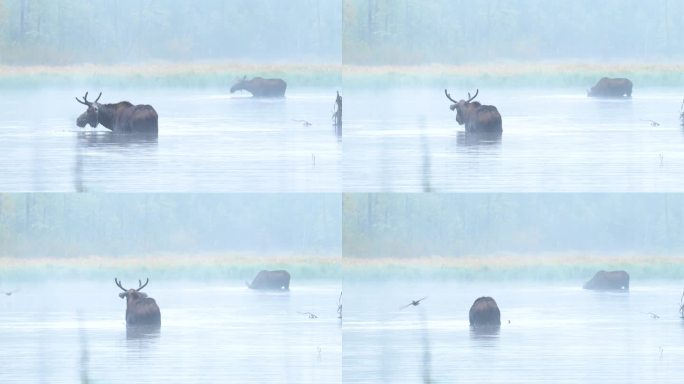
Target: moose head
[(132, 295), (463, 107), (239, 85), (91, 115)]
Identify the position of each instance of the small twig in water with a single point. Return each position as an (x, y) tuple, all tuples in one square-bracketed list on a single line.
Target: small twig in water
[(681, 306), (653, 315), (339, 307), (652, 122), (311, 315), (304, 122)]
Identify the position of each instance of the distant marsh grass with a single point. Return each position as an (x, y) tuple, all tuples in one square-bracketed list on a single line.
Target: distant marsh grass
[(517, 74), (168, 266), (513, 267)]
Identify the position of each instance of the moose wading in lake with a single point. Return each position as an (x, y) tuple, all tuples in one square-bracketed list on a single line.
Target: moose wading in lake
[(260, 87), (476, 117), (140, 309), (122, 117), (615, 88), (484, 313), (272, 280)]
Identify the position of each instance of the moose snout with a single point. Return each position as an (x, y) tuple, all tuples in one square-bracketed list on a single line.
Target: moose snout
[(82, 121)]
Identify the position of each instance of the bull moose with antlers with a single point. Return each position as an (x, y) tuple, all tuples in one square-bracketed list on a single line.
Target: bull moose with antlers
[(475, 116), (122, 117), (140, 309)]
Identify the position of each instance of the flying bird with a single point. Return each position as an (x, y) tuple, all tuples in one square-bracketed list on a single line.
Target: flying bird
[(311, 315), (415, 303), (9, 293)]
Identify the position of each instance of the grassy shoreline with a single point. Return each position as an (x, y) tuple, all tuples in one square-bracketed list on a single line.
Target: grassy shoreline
[(215, 267), (223, 74), (209, 267), (513, 267)]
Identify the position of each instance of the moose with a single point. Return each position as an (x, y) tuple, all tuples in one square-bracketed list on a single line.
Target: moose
[(476, 117), (607, 87), (140, 309), (271, 280), (260, 87), (122, 117), (484, 313), (608, 281)]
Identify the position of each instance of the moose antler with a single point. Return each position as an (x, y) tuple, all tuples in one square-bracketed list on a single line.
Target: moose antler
[(141, 285), (118, 284), (449, 97), (472, 98), (88, 103)]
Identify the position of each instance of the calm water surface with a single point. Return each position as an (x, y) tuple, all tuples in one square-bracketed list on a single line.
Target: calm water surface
[(208, 140), (63, 332), (553, 140), (558, 333)]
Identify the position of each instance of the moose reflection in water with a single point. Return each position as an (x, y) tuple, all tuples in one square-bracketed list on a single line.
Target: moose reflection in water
[(475, 116), (141, 311), (260, 87), (122, 117)]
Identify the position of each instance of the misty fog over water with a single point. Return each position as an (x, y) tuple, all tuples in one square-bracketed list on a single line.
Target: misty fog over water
[(284, 247)]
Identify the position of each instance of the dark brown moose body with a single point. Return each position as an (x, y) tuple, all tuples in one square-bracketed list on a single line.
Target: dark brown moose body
[(607, 87), (140, 309), (476, 117), (273, 280), (122, 117), (484, 313), (608, 281), (260, 87)]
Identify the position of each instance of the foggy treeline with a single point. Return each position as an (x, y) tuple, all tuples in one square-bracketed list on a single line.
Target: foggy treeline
[(410, 225), (67, 225), (114, 31), (458, 31), (354, 31)]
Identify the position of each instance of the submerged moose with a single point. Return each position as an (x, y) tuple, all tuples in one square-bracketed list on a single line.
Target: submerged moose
[(141, 311), (484, 313), (122, 117), (273, 280), (476, 117), (608, 281), (615, 88)]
